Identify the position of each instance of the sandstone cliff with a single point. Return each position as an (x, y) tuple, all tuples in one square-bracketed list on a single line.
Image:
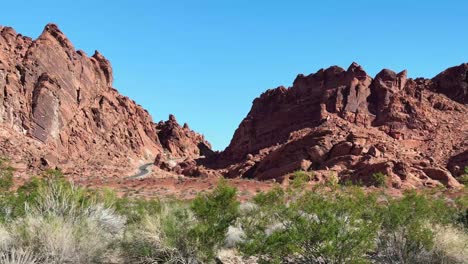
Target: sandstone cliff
[(346, 123), (58, 109)]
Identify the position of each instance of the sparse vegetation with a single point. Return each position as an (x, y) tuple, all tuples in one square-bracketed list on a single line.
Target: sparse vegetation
[(6, 176), (314, 227), (379, 179), (463, 179), (49, 220)]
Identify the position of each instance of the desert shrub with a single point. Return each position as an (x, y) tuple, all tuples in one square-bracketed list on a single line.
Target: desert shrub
[(214, 213), (450, 245), (57, 240), (463, 179), (6, 175), (332, 181), (312, 228), (300, 178), (49, 220), (136, 209), (379, 179), (15, 204), (163, 237), (184, 233), (6, 197), (59, 223), (407, 232), (460, 217)]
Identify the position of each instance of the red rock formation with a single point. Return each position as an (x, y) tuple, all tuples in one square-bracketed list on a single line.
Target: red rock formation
[(58, 107), (180, 143), (344, 122)]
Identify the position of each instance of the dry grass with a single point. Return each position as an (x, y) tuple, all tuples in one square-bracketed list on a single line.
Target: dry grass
[(18, 257), (451, 244), (161, 238), (60, 228)]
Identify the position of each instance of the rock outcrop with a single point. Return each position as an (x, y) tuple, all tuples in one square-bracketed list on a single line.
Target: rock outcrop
[(181, 144), (58, 109), (344, 122)]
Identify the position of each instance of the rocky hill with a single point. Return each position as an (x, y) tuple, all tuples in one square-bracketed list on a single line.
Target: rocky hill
[(345, 123), (58, 108)]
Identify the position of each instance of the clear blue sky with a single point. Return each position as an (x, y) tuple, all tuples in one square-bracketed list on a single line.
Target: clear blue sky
[(205, 61)]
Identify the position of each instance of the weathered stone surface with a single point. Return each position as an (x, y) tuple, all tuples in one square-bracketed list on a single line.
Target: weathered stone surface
[(308, 103), (453, 82), (341, 149), (458, 163), (442, 175), (182, 146), (344, 122), (182, 142), (59, 108)]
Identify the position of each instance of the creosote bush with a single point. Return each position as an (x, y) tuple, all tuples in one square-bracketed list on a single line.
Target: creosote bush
[(311, 227), (407, 233)]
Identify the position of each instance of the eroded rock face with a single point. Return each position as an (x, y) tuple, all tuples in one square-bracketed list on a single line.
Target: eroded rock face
[(346, 123), (180, 144), (278, 112), (453, 82), (59, 108)]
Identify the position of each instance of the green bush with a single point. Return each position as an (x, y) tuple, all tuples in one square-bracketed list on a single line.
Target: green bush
[(163, 237), (461, 214), (311, 227), (214, 213), (407, 234), (463, 179), (300, 178), (184, 233), (135, 209), (6, 176), (379, 179)]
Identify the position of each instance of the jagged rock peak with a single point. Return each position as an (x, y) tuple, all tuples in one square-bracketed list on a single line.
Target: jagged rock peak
[(390, 79), (52, 31), (355, 67), (105, 66), (453, 82), (8, 30), (180, 141), (172, 118)]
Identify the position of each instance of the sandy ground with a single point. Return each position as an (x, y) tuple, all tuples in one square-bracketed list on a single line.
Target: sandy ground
[(158, 184)]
